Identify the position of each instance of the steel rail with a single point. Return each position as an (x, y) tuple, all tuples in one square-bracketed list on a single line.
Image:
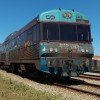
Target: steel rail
[(88, 77), (76, 89), (91, 75)]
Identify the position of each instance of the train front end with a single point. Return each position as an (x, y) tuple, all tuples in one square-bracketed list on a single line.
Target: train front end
[(65, 47)]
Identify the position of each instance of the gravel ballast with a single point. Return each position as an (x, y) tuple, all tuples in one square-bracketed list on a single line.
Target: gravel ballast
[(67, 94)]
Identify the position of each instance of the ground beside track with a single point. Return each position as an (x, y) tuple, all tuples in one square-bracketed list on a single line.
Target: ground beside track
[(10, 90), (16, 82)]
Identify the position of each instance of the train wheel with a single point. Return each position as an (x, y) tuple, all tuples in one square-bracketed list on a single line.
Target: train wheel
[(22, 70), (32, 72), (11, 68), (67, 78), (2, 66)]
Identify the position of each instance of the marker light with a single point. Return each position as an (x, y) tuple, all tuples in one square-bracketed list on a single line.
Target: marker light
[(56, 50), (44, 49)]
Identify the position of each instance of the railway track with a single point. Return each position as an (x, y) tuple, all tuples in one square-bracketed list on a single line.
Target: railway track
[(84, 88), (89, 77), (92, 74)]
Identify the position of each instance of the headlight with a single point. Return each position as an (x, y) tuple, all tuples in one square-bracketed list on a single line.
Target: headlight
[(82, 50), (56, 50), (51, 49), (87, 51)]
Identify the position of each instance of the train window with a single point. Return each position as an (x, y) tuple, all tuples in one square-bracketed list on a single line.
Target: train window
[(1, 48), (83, 33), (36, 32), (50, 31), (22, 39), (7, 46), (15, 43), (29, 35), (68, 32), (11, 44)]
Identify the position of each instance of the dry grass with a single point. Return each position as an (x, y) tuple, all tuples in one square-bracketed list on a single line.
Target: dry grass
[(10, 90)]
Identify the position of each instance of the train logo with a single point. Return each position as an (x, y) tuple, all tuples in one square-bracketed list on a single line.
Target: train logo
[(67, 15), (51, 17)]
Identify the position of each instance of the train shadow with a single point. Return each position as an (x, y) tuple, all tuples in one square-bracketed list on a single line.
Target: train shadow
[(50, 79)]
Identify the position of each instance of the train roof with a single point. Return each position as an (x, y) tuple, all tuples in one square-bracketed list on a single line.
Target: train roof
[(27, 26), (60, 15), (63, 16)]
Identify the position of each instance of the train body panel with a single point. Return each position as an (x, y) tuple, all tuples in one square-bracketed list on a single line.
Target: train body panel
[(55, 55), (63, 68), (57, 42), (63, 16)]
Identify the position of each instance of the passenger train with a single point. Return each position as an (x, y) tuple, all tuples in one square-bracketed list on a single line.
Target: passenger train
[(57, 42)]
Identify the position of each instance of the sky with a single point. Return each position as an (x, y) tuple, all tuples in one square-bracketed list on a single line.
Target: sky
[(14, 14)]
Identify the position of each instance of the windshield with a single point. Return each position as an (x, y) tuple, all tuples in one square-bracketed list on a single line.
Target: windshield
[(50, 32), (83, 33), (66, 32)]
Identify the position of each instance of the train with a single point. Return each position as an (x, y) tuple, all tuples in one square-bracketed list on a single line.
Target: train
[(57, 42)]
